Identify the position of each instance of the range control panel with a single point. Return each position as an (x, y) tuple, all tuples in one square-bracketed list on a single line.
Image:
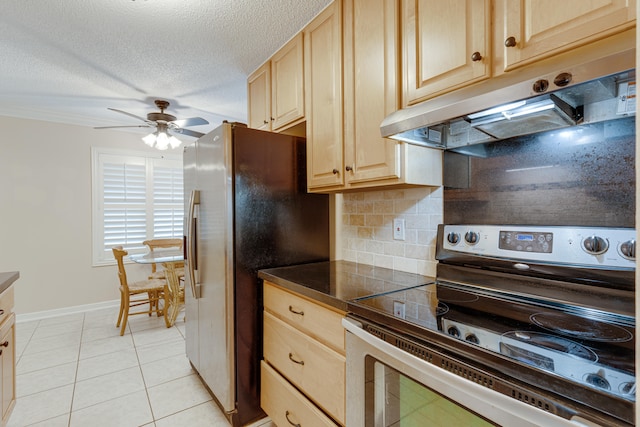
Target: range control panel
[(589, 246), (526, 241)]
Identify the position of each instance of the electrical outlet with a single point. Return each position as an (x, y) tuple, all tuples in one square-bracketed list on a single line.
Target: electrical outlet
[(398, 229), (398, 309)]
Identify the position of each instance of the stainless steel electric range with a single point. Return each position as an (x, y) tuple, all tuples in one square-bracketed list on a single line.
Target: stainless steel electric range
[(541, 316)]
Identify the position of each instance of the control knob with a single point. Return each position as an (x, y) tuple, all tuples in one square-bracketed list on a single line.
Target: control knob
[(628, 249), (471, 237), (595, 245), (453, 331), (453, 238), (472, 338), (598, 381)]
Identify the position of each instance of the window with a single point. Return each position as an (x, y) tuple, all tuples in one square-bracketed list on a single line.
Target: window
[(136, 196)]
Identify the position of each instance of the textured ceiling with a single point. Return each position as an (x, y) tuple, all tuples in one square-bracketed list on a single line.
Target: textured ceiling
[(68, 60)]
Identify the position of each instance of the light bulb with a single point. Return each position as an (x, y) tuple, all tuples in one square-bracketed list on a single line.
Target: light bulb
[(150, 139), (162, 141), (174, 142)]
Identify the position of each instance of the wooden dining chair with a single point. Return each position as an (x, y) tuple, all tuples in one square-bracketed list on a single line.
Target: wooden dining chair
[(137, 293), (153, 244)]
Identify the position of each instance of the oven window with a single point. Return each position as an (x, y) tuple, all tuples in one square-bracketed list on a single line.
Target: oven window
[(393, 399)]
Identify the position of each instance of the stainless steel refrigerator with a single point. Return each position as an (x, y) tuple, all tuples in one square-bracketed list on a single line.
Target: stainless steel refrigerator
[(246, 208)]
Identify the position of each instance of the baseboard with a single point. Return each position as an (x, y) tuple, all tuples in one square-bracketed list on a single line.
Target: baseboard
[(38, 315)]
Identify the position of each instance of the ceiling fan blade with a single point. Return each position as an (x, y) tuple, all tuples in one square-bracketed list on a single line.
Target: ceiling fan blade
[(114, 127), (129, 114), (188, 132), (192, 121)]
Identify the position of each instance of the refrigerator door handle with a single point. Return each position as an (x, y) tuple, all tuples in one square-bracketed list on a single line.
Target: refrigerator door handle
[(192, 243)]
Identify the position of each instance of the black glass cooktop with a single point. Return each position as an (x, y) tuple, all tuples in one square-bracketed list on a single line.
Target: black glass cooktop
[(591, 348)]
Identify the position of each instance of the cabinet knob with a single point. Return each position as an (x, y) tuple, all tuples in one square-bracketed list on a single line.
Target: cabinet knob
[(272, 119), (349, 168), (5, 344), (335, 171), (510, 42), (476, 56), (265, 122)]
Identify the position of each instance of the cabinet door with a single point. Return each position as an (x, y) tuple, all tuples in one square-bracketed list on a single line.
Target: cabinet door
[(259, 93), (7, 362), (287, 84), (446, 45), (371, 89), (535, 29), (323, 98)]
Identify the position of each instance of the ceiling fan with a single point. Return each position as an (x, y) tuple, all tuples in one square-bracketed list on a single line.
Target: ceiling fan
[(163, 123)]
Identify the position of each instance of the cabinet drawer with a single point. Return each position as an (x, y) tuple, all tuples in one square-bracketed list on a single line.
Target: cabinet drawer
[(311, 366), (286, 405), (319, 322), (6, 303)]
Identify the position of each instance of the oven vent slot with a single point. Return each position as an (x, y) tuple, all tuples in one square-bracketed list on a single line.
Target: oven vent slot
[(417, 351), (377, 332), (531, 400), (467, 373)]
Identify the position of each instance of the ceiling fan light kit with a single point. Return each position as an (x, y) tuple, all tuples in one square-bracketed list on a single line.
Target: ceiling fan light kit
[(163, 122)]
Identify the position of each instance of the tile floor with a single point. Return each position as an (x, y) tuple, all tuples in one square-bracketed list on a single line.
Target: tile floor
[(76, 370)]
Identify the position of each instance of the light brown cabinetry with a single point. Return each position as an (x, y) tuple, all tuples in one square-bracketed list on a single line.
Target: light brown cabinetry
[(445, 45), (276, 89), (304, 359), (530, 30), (449, 45), (362, 158), (7, 354), (323, 97)]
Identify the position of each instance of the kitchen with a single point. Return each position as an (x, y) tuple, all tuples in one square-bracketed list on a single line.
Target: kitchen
[(421, 207)]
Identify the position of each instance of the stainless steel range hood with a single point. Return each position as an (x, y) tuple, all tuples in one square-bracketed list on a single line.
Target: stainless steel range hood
[(513, 105)]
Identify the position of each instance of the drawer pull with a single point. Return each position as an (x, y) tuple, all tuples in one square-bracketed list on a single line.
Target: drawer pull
[(299, 362), (294, 311), (286, 414), (5, 344)]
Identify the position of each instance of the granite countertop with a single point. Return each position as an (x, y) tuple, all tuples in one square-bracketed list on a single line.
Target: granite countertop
[(336, 282), (7, 278)]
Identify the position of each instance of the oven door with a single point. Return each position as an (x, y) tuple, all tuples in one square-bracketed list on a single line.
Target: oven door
[(389, 387)]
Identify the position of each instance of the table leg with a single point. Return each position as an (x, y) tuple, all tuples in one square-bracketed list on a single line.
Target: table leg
[(173, 301)]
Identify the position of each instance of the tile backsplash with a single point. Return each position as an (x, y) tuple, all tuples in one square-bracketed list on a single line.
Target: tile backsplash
[(367, 228)]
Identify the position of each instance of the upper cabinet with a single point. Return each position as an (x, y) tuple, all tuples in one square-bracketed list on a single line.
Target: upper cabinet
[(371, 92), (530, 30), (448, 45), (323, 100), (352, 83), (276, 89), (445, 45)]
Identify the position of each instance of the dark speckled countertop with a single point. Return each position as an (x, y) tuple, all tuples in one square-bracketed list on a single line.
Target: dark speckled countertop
[(7, 278), (336, 282)]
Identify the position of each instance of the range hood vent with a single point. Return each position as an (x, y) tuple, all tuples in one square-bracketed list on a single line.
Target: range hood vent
[(505, 107), (526, 117)]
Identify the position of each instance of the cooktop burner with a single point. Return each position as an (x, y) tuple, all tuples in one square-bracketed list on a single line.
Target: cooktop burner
[(580, 327)]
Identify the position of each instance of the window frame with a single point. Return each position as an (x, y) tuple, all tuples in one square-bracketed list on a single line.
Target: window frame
[(100, 156)]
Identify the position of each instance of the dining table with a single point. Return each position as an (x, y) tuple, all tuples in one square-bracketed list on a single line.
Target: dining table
[(171, 261)]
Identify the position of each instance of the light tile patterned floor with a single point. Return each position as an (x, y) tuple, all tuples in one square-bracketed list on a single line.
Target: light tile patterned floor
[(77, 371)]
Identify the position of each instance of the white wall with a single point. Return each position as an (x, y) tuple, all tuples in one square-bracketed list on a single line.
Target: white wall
[(45, 213), (366, 229)]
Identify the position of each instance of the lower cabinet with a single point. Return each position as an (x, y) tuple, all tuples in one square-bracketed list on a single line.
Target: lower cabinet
[(285, 404), (7, 354), (7, 364), (303, 372)]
